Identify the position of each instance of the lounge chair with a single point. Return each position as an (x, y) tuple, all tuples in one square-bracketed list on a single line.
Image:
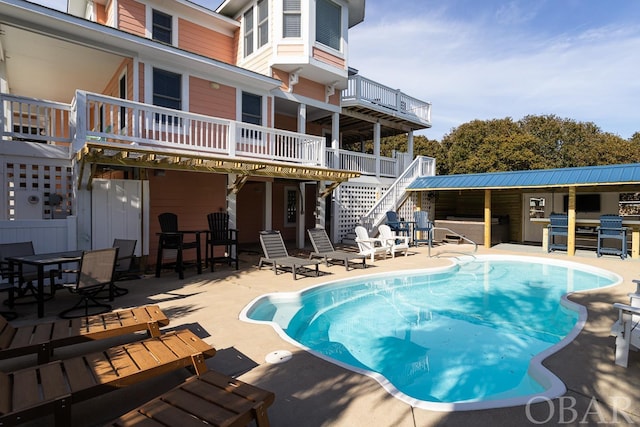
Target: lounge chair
[(42, 338), (52, 388), (324, 249), (275, 253), (394, 242), (208, 399), (369, 246), (625, 329)]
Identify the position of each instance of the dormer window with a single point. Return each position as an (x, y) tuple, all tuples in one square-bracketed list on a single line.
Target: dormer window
[(292, 18), (328, 24), (162, 27), (256, 17)]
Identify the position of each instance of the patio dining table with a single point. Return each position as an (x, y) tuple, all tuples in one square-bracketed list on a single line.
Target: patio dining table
[(40, 261)]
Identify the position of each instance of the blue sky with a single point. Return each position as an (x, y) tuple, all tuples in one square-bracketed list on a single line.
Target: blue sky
[(486, 59), (577, 59)]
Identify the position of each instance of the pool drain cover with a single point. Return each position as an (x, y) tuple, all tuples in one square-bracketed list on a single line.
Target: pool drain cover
[(278, 356)]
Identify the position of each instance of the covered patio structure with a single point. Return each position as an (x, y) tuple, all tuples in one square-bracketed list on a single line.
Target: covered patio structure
[(527, 198)]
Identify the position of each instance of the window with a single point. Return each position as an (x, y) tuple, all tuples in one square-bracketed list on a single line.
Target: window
[(328, 23), (251, 108), (167, 92), (292, 19), (161, 27), (291, 208), (248, 32), (263, 23), (258, 38)]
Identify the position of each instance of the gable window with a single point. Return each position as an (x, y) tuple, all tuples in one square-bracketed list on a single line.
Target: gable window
[(167, 92), (328, 23), (291, 19), (256, 17), (251, 108), (162, 27)]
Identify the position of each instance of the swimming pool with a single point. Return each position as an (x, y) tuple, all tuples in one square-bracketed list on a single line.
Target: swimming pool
[(469, 336)]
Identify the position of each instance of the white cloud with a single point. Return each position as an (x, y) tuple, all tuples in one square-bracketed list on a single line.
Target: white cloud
[(468, 70)]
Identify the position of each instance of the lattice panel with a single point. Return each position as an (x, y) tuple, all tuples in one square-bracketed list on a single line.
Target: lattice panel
[(37, 191), (353, 202)]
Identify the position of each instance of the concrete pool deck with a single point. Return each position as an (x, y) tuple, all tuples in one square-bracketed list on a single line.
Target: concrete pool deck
[(312, 392)]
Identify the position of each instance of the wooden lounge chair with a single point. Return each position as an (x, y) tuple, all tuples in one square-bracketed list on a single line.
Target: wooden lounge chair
[(52, 388), (275, 253), (209, 399), (43, 338), (324, 249)]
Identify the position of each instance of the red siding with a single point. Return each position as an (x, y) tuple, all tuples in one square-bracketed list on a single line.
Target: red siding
[(131, 17), (201, 40), (212, 99)]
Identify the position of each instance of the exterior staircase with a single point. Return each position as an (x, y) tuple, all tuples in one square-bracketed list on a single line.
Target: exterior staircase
[(396, 195)]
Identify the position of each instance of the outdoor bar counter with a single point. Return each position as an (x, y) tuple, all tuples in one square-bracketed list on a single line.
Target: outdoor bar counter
[(632, 224)]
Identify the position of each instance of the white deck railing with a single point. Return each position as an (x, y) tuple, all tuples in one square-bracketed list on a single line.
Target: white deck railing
[(100, 118), (28, 119), (111, 119), (361, 90)]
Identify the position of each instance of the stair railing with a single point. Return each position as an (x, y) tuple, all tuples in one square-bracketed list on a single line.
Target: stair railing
[(395, 196)]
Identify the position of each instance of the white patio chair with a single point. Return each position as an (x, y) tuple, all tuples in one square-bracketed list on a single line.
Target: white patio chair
[(369, 246), (394, 242)]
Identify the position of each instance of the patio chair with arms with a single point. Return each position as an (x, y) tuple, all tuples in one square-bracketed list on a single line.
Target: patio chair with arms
[(558, 227), (369, 246), (394, 242), (323, 248), (95, 274), (221, 235), (626, 329), (25, 278), (397, 225), (171, 238), (611, 228), (275, 253), (424, 226)]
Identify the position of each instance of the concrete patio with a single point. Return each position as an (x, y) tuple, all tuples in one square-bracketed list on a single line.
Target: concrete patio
[(312, 392)]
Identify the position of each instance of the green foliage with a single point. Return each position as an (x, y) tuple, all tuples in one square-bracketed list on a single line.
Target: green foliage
[(533, 142)]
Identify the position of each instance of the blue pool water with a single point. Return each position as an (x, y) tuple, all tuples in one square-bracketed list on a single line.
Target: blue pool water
[(442, 338)]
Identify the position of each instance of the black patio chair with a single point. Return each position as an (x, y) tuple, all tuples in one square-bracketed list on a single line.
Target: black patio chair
[(221, 235)]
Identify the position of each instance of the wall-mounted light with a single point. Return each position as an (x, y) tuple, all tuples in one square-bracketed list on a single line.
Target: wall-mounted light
[(214, 85)]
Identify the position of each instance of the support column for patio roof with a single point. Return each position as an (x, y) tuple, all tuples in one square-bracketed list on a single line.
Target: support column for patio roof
[(268, 208), (410, 143), (487, 218), (321, 205), (232, 209), (376, 146), (571, 232)]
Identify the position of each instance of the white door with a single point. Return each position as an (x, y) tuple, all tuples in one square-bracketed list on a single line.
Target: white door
[(536, 205), (120, 210)]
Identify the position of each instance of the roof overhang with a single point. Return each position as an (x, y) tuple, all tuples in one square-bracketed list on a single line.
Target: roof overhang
[(95, 153), (589, 176)]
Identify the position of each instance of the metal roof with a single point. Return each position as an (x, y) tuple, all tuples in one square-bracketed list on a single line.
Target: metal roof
[(581, 176)]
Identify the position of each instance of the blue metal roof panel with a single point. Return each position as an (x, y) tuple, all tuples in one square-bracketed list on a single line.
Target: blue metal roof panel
[(589, 175)]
